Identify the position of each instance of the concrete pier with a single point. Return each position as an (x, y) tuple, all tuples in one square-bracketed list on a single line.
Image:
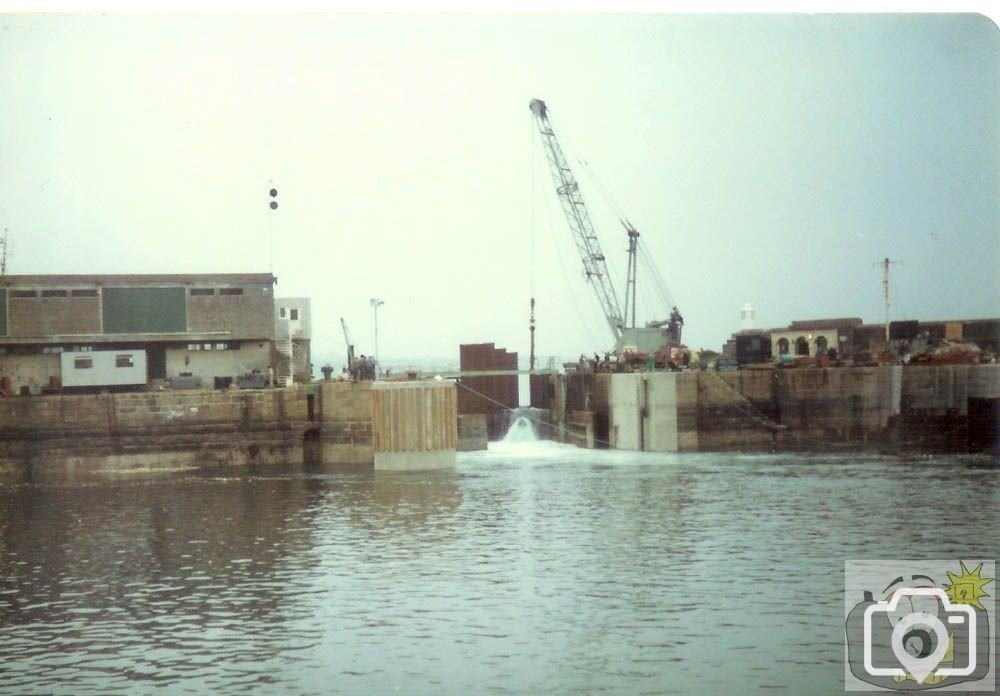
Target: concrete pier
[(390, 425), (414, 425)]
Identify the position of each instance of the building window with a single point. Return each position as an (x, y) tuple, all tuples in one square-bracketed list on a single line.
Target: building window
[(221, 346), (801, 346), (206, 346), (24, 294), (81, 349), (52, 349), (281, 313), (230, 291), (54, 293), (194, 346), (293, 314), (782, 346), (202, 291), (124, 361), (83, 363), (821, 345), (84, 293)]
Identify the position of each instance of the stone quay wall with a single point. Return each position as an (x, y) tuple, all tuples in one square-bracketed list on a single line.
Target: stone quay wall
[(54, 437), (919, 408)]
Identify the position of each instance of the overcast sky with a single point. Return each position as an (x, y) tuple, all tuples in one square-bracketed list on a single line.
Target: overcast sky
[(764, 159)]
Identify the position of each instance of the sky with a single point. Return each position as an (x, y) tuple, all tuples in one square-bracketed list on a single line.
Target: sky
[(769, 159)]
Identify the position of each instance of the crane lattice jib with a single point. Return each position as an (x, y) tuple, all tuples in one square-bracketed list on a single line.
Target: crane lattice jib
[(594, 267)]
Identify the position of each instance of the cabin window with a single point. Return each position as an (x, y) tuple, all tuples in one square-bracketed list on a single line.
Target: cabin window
[(231, 291), (124, 361), (83, 363)]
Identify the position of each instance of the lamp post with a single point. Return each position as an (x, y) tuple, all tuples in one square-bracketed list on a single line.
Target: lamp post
[(376, 303)]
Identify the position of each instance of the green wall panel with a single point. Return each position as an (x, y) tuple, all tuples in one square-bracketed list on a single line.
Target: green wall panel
[(3, 312), (144, 310)]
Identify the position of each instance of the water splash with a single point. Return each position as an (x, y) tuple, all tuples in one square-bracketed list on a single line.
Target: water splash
[(521, 430)]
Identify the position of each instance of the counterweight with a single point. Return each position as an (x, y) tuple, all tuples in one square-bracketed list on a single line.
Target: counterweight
[(594, 267)]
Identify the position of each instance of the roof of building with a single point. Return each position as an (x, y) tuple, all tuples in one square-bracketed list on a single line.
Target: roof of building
[(823, 323), (142, 279)]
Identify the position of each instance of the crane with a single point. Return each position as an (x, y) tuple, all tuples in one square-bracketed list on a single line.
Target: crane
[(350, 344), (594, 267), (660, 337)]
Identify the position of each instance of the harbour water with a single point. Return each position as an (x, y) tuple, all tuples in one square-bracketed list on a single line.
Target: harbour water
[(533, 567)]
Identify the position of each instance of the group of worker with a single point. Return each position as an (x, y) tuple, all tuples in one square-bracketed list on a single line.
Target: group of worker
[(363, 368)]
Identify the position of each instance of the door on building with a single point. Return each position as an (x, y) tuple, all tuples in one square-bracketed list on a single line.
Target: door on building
[(156, 362)]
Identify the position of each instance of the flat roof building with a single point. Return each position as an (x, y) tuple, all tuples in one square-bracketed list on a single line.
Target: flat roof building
[(212, 327)]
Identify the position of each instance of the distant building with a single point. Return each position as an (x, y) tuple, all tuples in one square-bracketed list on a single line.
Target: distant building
[(849, 336), (207, 328), (814, 338)]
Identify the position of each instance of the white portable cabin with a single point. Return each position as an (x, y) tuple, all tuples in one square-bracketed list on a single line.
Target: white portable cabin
[(103, 368)]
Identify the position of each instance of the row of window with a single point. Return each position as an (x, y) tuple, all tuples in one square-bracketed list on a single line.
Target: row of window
[(87, 363), (31, 294), (213, 346), (802, 345), (50, 350), (196, 292), (293, 314), (92, 292)]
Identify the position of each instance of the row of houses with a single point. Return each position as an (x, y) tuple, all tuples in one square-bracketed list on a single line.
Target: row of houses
[(848, 337), (182, 330)]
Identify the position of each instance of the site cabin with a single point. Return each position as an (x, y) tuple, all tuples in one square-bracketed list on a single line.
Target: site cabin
[(103, 368)]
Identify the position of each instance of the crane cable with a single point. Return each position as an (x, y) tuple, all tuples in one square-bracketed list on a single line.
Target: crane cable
[(574, 151), (658, 283), (649, 264)]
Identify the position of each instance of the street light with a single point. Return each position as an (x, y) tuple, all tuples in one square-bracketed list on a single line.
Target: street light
[(376, 303)]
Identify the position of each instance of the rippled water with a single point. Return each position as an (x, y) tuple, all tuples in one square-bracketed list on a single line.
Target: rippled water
[(533, 567)]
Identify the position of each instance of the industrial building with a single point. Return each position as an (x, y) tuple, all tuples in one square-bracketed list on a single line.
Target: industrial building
[(209, 330)]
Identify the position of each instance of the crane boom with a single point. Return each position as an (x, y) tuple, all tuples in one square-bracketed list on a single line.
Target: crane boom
[(349, 342), (594, 267)]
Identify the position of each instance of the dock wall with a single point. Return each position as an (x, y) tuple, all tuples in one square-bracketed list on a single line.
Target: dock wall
[(949, 407), (52, 437)]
